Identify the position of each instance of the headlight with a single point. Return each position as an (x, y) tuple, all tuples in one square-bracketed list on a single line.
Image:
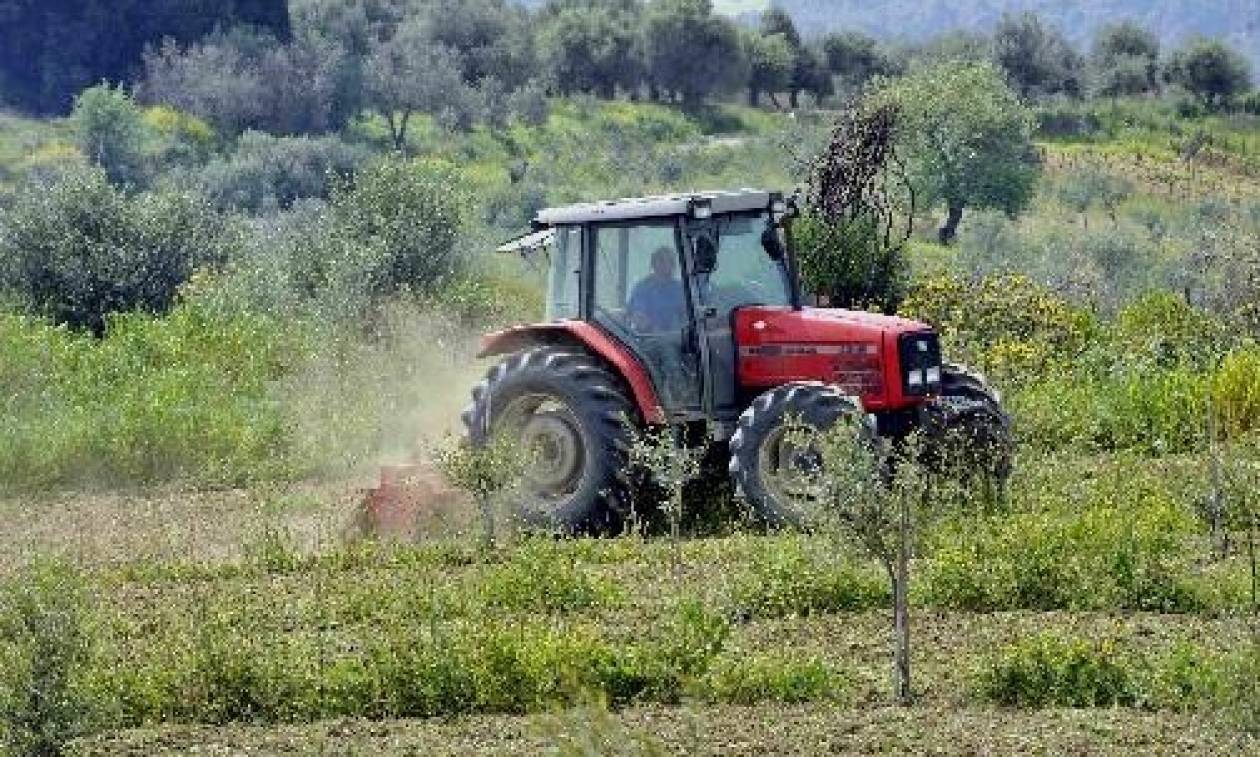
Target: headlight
[(934, 375), (915, 379)]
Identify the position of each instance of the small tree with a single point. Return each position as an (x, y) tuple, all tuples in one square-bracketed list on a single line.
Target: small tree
[(868, 497), (484, 472), (1211, 70), (111, 132), (770, 61), (967, 139), (663, 456), (407, 74)]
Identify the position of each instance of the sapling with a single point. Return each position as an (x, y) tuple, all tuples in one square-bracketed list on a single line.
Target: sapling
[(485, 472), (664, 455), (866, 493)]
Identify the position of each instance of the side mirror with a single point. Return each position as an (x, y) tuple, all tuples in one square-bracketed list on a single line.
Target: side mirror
[(706, 255), (772, 242)]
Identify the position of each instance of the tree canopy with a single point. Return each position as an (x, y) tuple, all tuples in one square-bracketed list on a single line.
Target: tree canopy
[(967, 139), (53, 49), (1211, 70), (690, 51)]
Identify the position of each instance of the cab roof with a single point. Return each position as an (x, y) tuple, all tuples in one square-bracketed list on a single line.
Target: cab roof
[(735, 201)]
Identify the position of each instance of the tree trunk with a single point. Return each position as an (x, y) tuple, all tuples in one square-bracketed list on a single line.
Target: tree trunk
[(901, 609), (754, 97), (400, 132), (949, 231), (794, 99), (774, 98)]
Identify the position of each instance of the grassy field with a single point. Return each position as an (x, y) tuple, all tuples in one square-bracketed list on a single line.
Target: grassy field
[(267, 633)]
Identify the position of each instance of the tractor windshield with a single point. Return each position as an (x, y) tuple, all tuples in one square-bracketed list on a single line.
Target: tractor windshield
[(745, 274)]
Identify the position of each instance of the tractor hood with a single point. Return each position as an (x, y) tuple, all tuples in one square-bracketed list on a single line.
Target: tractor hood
[(885, 360), (818, 325)]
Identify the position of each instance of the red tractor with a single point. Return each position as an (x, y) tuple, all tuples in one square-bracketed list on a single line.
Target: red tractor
[(687, 311)]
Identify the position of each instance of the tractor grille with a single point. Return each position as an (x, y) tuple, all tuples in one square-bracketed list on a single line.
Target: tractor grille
[(920, 359)]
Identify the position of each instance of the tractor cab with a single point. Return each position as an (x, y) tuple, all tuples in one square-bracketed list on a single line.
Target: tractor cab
[(664, 277)]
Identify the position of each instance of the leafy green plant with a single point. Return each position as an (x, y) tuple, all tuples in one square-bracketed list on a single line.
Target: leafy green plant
[(48, 633), (752, 679), (541, 577), (1128, 556), (793, 581), (1052, 671)]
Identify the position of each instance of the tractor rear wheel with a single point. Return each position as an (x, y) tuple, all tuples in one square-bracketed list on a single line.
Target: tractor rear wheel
[(968, 432), (768, 464), (570, 413)]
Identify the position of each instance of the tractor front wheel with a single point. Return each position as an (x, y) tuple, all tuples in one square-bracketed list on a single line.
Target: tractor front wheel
[(569, 413), (968, 433), (769, 462)]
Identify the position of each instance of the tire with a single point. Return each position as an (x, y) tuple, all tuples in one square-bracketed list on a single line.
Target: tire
[(969, 433), (756, 447), (560, 400)]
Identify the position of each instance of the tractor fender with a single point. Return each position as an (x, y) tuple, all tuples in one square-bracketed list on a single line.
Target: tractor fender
[(593, 339)]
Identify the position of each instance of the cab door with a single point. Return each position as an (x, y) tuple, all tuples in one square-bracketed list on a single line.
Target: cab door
[(731, 269), (639, 293)]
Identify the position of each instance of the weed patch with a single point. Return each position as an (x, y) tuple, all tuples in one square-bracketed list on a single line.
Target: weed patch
[(797, 581)]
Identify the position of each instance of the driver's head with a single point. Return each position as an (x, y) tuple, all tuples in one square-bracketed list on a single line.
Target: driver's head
[(663, 265)]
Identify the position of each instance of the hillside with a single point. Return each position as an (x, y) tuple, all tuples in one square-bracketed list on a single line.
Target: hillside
[(1236, 21)]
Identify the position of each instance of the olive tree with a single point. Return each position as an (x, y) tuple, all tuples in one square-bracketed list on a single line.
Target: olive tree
[(592, 49), (79, 250), (405, 75), (770, 61), (109, 129), (1037, 58), (854, 57), (1211, 70), (1124, 60), (966, 137), (690, 51)]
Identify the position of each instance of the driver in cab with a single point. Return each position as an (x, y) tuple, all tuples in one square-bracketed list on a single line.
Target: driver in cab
[(657, 304)]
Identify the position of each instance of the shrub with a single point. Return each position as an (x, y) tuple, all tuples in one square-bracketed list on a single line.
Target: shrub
[(396, 228), (266, 173), (752, 679), (789, 582), (1236, 393), (48, 644), (111, 132), (80, 250), (1160, 329), (1007, 325), (1052, 671)]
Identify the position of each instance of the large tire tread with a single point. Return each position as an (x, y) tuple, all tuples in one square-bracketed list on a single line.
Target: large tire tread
[(814, 403), (597, 399)]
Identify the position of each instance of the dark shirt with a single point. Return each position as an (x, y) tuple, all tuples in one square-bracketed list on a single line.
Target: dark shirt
[(658, 305)]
